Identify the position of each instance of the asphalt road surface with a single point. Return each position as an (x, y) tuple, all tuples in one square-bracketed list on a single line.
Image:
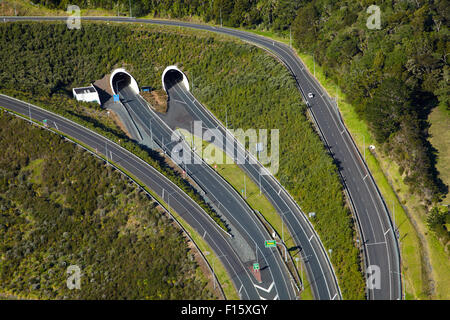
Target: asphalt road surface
[(248, 288), (379, 237), (319, 269), (249, 233)]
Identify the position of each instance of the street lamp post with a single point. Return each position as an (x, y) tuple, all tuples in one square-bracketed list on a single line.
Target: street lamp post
[(282, 234), (212, 263), (301, 272), (168, 196), (364, 145)]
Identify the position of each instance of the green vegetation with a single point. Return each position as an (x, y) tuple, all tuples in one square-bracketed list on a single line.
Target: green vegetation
[(439, 137), (60, 207), (419, 249), (235, 176), (48, 84), (255, 89), (393, 77), (277, 15)]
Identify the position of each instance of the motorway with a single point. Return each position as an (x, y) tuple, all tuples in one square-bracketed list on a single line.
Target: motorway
[(377, 232), (320, 273), (248, 288), (379, 238), (249, 235)]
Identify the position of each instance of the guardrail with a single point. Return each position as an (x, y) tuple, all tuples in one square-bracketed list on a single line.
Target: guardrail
[(360, 158), (119, 169), (223, 180)]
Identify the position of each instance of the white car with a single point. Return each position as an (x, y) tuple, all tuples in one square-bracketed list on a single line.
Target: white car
[(310, 95)]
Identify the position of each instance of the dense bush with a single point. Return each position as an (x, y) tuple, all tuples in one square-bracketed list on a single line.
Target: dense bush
[(231, 78), (266, 13), (393, 76), (60, 207)]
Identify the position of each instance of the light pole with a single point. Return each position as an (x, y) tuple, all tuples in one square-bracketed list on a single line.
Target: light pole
[(212, 263), (245, 189), (301, 272), (364, 144), (282, 234), (130, 8), (260, 191), (151, 131), (301, 268), (168, 196), (106, 151), (393, 217), (226, 117)]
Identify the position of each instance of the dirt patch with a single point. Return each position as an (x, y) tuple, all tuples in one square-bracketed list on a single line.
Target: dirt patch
[(103, 88), (157, 100)]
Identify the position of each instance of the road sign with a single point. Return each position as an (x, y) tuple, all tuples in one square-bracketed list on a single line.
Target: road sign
[(256, 266), (270, 243), (116, 97)]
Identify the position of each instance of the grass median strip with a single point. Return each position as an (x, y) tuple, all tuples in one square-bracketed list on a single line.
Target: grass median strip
[(250, 191), (219, 269), (412, 248)]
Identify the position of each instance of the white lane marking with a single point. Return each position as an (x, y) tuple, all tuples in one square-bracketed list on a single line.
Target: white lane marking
[(387, 231), (375, 243), (264, 289)]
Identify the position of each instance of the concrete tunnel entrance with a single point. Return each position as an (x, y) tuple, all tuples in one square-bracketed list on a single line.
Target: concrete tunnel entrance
[(172, 75), (120, 79)]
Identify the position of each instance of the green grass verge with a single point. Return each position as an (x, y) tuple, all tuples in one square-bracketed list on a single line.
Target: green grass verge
[(413, 261), (221, 273), (234, 175)]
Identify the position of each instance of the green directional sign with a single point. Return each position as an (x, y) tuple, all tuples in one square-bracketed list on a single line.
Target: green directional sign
[(270, 243), (256, 266)]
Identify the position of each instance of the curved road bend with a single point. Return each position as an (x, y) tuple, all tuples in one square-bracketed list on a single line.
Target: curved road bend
[(320, 273), (379, 237), (248, 231), (189, 210), (376, 228), (318, 267)]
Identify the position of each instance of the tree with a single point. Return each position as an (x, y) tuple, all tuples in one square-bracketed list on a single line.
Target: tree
[(385, 110)]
